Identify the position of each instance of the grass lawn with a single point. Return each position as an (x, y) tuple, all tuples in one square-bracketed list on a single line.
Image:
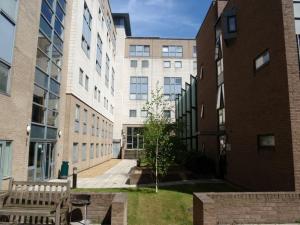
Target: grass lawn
[(171, 206)]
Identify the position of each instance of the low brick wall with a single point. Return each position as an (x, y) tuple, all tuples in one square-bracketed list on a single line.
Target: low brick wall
[(246, 208), (105, 208)]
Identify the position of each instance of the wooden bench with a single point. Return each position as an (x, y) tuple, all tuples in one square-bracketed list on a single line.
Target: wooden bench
[(35, 203)]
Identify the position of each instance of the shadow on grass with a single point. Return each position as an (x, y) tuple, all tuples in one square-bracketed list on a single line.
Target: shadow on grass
[(183, 188)]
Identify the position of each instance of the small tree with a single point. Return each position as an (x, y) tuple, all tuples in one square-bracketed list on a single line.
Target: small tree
[(157, 135)]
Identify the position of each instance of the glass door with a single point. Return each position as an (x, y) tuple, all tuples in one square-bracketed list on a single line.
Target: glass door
[(41, 161)]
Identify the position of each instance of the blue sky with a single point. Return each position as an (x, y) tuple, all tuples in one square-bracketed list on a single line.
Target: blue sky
[(163, 18)]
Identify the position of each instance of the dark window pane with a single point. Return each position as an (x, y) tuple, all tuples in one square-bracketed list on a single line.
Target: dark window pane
[(31, 154), (54, 87), (44, 44), (41, 78), (50, 2), (39, 95), (51, 133), (37, 131), (62, 3), (46, 11), (42, 61), (38, 114), (45, 27), (4, 73), (59, 13), (58, 28)]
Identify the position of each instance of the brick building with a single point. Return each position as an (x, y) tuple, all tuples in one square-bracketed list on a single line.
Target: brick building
[(248, 69)]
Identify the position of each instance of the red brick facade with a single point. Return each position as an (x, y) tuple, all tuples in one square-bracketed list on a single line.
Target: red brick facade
[(260, 102), (246, 208)]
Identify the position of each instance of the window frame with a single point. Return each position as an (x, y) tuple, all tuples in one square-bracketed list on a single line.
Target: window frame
[(262, 55)]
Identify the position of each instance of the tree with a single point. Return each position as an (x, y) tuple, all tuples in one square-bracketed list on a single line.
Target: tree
[(157, 135)]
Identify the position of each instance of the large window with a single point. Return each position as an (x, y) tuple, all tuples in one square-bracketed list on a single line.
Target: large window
[(112, 82), (172, 51), (77, 118), (133, 134), (92, 151), (99, 54), (83, 152), (7, 33), (139, 50), (107, 71), (75, 153), (139, 88), (172, 87), (5, 159), (85, 119), (86, 30)]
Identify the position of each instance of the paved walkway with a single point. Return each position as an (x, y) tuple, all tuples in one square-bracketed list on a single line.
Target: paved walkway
[(99, 169), (116, 177)]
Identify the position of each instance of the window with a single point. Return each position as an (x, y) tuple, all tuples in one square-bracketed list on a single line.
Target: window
[(167, 114), (4, 77), (92, 151), (178, 64), (221, 113), (112, 82), (7, 33), (75, 153), (232, 24), (95, 92), (99, 95), (93, 124), (10, 8), (194, 51), (86, 30), (133, 134), (132, 113), (133, 63), (77, 119), (6, 158), (83, 152), (144, 113), (266, 141), (97, 151), (297, 16), (138, 88), (107, 71), (98, 128), (139, 50), (262, 60), (86, 83), (85, 119), (172, 51), (172, 87), (145, 64), (99, 54), (167, 64)]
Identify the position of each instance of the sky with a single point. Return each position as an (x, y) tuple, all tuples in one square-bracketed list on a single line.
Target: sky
[(163, 18)]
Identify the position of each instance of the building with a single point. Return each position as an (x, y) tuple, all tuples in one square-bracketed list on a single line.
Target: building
[(31, 68), (147, 63), (90, 84), (248, 70)]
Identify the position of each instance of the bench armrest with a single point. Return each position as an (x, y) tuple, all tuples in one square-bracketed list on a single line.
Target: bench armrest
[(63, 201)]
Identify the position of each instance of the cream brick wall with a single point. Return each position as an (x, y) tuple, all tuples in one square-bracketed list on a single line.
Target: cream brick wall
[(17, 106)]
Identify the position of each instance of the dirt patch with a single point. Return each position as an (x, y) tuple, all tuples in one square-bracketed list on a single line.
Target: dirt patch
[(99, 170)]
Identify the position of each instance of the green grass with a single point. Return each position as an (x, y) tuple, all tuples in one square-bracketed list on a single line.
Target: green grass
[(170, 206)]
